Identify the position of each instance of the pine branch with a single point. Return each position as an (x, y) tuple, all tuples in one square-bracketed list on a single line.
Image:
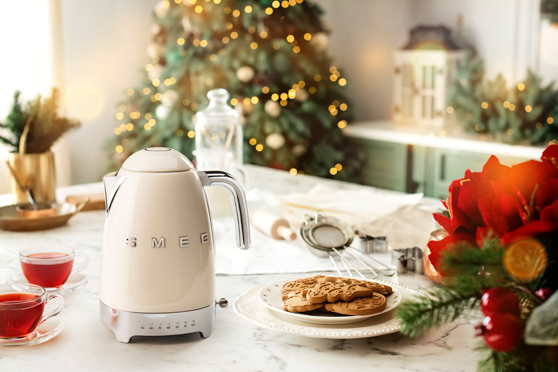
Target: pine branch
[(443, 305), (474, 270), (467, 261), (7, 141), (494, 361)]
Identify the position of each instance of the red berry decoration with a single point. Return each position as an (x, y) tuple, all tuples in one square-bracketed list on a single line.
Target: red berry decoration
[(544, 293), (499, 300), (501, 332)]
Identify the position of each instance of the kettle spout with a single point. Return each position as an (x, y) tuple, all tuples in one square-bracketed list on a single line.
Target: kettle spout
[(112, 183)]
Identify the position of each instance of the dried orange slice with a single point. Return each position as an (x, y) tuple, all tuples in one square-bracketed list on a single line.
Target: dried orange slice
[(525, 259)]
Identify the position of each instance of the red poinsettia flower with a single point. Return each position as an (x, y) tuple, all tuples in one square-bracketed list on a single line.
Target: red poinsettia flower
[(507, 202), (550, 155)]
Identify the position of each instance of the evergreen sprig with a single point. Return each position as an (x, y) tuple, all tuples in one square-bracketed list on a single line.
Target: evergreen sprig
[(494, 361), (524, 358), (473, 270), (441, 305), (45, 126)]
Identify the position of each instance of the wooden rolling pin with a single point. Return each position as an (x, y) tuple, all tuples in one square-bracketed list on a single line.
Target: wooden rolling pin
[(272, 225)]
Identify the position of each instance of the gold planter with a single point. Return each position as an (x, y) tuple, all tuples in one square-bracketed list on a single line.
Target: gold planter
[(35, 172)]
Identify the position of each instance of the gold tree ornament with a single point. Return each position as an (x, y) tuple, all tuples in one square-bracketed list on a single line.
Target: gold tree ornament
[(245, 74), (272, 108), (275, 141), (170, 97)]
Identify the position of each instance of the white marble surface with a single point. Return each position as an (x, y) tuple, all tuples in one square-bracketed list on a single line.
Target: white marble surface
[(235, 345), (453, 138)]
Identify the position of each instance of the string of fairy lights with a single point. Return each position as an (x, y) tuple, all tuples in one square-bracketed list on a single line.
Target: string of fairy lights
[(508, 105), (281, 97)]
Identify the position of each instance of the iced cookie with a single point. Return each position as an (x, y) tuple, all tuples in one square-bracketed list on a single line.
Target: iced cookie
[(359, 306)]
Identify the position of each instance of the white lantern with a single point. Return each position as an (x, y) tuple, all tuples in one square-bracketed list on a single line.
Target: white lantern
[(424, 70)]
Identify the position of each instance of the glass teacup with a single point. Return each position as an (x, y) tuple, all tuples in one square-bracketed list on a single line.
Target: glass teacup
[(21, 310), (50, 265)]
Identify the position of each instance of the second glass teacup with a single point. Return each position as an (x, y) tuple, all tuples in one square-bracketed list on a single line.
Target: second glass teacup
[(50, 265), (21, 310)]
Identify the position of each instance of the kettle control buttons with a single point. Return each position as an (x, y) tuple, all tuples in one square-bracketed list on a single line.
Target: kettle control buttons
[(204, 238), (142, 327), (151, 326)]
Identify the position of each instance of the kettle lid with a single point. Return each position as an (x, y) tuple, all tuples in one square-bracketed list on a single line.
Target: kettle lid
[(158, 159)]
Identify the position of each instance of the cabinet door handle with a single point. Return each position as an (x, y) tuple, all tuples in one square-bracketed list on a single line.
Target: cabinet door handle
[(443, 168)]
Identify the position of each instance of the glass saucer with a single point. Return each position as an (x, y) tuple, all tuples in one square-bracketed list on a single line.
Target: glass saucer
[(74, 282), (46, 331)]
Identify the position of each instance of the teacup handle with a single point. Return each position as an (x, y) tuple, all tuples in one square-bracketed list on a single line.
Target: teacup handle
[(56, 311), (83, 265)]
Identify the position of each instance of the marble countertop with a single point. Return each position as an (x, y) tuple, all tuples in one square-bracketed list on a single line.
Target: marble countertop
[(452, 138), (235, 345)]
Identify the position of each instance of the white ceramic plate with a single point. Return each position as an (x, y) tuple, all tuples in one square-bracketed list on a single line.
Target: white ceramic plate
[(46, 331), (270, 297), (249, 308), (74, 282)]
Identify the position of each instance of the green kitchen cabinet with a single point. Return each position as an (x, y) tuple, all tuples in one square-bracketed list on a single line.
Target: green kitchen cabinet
[(386, 164), (411, 168)]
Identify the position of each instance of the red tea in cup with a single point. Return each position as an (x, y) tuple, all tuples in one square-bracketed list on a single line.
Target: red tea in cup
[(49, 266), (19, 314), (21, 310), (47, 269)]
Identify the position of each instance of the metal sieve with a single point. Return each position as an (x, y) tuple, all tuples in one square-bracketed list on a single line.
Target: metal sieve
[(325, 235)]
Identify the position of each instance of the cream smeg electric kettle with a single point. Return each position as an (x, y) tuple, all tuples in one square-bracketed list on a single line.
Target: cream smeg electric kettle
[(158, 257)]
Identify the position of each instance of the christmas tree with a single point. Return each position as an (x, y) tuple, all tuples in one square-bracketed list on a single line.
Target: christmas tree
[(525, 112), (270, 56)]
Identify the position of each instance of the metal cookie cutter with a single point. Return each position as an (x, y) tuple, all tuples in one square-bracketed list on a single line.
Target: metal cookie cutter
[(372, 244), (407, 260)]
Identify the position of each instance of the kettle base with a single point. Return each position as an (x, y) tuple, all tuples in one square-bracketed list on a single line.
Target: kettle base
[(126, 324)]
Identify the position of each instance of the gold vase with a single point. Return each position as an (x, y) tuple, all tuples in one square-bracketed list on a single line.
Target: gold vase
[(427, 266), (35, 172)]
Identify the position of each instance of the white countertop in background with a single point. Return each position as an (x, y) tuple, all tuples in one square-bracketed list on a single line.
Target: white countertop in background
[(235, 345), (453, 138)]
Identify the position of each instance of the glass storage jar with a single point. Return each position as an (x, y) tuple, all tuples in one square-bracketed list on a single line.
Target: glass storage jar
[(219, 143)]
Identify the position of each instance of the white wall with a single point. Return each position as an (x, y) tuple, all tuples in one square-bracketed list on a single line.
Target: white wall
[(104, 43), (504, 32), (364, 34)]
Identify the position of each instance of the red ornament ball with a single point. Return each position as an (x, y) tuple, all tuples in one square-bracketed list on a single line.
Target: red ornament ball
[(501, 332), (499, 300)]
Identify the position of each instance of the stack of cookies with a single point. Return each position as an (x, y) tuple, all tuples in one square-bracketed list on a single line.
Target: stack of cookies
[(339, 295)]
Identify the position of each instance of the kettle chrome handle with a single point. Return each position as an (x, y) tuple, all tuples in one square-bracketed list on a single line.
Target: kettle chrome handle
[(238, 200)]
